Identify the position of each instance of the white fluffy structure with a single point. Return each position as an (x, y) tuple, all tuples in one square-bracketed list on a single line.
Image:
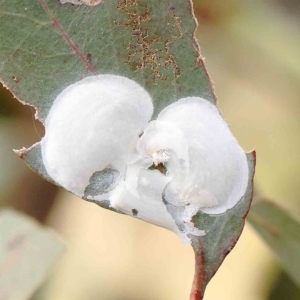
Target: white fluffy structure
[(95, 124), (216, 175)]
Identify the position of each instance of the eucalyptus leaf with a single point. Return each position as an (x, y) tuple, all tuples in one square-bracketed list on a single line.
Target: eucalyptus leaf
[(47, 45), (27, 251), (281, 232), (222, 233), (284, 288)]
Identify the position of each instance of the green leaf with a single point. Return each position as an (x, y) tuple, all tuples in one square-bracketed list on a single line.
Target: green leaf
[(281, 232), (222, 233), (27, 251), (46, 46), (284, 288)]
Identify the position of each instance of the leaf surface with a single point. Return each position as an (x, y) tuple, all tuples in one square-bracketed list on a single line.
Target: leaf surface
[(281, 232), (46, 46)]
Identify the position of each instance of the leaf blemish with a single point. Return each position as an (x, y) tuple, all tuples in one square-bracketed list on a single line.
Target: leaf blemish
[(146, 50), (134, 212), (16, 79), (81, 2), (89, 57)]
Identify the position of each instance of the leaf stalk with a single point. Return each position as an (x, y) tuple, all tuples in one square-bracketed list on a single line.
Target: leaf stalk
[(198, 287)]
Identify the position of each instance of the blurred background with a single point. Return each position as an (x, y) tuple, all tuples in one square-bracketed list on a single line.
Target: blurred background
[(252, 50)]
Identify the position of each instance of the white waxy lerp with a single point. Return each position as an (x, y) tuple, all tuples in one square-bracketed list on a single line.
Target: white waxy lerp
[(217, 175), (95, 125)]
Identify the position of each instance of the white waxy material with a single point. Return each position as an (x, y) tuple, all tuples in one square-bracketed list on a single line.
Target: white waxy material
[(146, 199), (96, 123), (93, 124), (218, 168), (160, 137)]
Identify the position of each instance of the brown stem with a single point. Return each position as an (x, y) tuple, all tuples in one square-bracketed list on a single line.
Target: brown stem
[(198, 287)]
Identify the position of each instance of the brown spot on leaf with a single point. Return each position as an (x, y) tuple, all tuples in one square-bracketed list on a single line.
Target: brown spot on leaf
[(89, 57), (147, 51), (16, 79), (160, 167)]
